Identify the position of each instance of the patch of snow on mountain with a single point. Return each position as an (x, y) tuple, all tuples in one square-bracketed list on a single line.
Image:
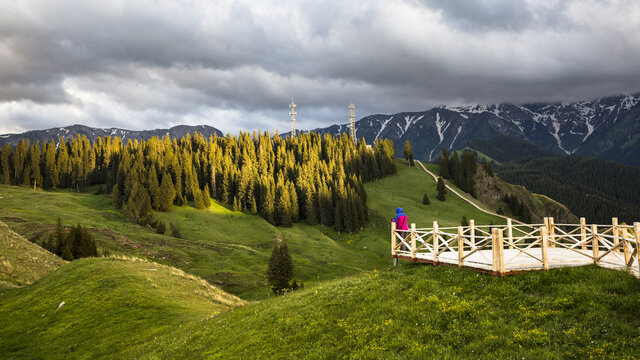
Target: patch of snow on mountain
[(464, 116), (439, 127), (456, 137), (629, 101), (384, 125)]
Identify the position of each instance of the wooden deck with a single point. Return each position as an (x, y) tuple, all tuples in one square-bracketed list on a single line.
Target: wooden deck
[(504, 249)]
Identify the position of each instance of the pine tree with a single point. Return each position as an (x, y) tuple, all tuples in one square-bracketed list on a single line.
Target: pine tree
[(198, 199), (441, 189), (444, 164), (408, 152), (51, 170), (167, 193), (5, 164), (338, 218), (207, 197), (463, 221), (280, 270), (425, 199), (154, 187)]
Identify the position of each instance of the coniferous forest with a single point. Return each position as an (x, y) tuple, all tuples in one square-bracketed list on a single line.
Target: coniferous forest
[(459, 170), (311, 177)]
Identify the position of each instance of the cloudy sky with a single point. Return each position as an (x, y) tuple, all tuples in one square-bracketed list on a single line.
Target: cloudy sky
[(235, 65)]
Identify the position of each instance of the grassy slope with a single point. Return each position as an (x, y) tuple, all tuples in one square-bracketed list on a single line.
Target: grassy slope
[(231, 249), (407, 189), (22, 262), (110, 305), (414, 311)]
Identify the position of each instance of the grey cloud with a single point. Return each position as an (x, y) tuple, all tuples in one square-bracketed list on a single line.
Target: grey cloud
[(236, 64)]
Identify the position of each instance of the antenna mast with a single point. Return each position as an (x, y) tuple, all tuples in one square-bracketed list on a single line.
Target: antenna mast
[(293, 114), (352, 123)]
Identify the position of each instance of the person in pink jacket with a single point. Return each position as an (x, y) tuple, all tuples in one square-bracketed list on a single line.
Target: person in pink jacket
[(401, 225)]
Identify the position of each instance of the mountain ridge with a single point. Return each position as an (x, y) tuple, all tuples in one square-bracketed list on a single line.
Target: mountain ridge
[(607, 128), (92, 133)]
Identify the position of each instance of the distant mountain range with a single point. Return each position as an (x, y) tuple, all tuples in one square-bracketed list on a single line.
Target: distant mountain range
[(607, 128), (93, 133)]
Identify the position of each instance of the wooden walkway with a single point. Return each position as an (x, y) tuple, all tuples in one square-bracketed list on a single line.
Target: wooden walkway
[(504, 249)]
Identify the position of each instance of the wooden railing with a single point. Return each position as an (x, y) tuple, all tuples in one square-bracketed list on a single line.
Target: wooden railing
[(501, 249)]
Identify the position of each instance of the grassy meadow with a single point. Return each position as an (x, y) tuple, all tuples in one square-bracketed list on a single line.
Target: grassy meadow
[(354, 305)]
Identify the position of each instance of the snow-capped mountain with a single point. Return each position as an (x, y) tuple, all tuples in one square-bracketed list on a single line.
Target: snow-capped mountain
[(93, 133), (608, 127)]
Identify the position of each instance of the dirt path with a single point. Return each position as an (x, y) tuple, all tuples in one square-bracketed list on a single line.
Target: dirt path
[(450, 188)]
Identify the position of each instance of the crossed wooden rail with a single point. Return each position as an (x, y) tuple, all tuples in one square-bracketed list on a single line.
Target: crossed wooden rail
[(502, 249)]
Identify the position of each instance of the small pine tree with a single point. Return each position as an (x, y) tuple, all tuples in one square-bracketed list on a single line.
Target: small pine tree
[(425, 199), (161, 228), (254, 206), (500, 211), (175, 232), (198, 199), (236, 204), (441, 189), (463, 221), (167, 193), (207, 196), (280, 270), (408, 152)]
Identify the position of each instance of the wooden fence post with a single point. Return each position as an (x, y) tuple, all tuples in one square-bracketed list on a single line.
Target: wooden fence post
[(501, 252), (394, 241), (545, 245), (636, 230), (460, 245), (494, 247), (436, 244), (626, 244), (583, 233), (510, 233), (594, 242), (472, 235), (615, 231), (413, 242), (552, 233)]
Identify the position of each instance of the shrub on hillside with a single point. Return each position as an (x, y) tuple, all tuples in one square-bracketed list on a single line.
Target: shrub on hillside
[(161, 228), (175, 232), (425, 199), (75, 244)]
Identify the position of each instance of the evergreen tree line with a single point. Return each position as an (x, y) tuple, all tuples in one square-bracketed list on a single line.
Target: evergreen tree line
[(461, 171), (517, 208), (318, 178), (74, 244)]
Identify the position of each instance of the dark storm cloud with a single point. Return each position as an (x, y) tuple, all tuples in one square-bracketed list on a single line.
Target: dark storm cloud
[(237, 64)]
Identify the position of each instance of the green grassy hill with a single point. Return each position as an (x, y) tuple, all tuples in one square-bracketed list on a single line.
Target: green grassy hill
[(414, 311), (231, 249), (110, 305), (117, 308), (22, 262)]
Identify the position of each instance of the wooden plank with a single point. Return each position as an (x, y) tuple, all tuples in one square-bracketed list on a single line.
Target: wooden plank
[(494, 258), (501, 268), (625, 245), (394, 243), (472, 235), (583, 233), (460, 246), (545, 245), (552, 232), (615, 231), (413, 241), (594, 243), (436, 244), (510, 233), (636, 230)]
